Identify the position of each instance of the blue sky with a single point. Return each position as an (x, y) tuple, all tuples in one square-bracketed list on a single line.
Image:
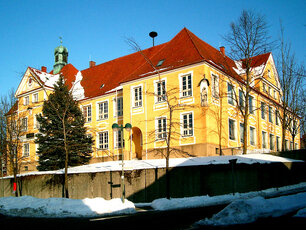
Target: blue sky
[(30, 29)]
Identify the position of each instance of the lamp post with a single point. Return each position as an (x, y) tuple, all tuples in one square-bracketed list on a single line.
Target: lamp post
[(128, 128)]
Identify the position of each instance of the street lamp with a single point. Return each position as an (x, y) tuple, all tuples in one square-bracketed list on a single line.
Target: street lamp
[(117, 128)]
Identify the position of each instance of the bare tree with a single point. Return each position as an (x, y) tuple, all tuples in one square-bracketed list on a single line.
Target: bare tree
[(291, 79), (248, 37), (13, 128)]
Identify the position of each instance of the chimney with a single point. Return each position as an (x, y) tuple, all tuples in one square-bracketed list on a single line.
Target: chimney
[(92, 64), (222, 50), (44, 69)]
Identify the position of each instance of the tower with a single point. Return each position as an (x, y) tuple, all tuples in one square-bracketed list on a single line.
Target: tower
[(60, 58)]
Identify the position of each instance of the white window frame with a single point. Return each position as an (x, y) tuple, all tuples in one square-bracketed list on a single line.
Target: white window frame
[(264, 139), (278, 143), (117, 140), (241, 132), (263, 110), (188, 92), (234, 131), (270, 113), (24, 124), (214, 85), (102, 113), (88, 117), (26, 150), (26, 100), (36, 123), (137, 101), (230, 94), (35, 97), (103, 140), (272, 144), (160, 96), (253, 142), (187, 131), (160, 128), (251, 104), (118, 107)]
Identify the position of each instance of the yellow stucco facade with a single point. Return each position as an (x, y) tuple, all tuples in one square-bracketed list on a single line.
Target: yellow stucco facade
[(205, 117)]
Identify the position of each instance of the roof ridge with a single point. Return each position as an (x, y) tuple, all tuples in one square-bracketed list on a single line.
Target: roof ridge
[(195, 46)]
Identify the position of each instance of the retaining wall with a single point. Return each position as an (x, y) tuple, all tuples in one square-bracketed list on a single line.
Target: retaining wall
[(145, 185)]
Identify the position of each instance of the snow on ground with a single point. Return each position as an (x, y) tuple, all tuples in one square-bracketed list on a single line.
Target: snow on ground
[(174, 162), (27, 206), (202, 201), (245, 211)]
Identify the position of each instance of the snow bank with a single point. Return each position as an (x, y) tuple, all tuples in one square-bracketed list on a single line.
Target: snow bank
[(249, 210), (202, 201), (27, 206)]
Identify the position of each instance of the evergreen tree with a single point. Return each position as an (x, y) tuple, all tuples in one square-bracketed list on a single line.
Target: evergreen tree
[(62, 132)]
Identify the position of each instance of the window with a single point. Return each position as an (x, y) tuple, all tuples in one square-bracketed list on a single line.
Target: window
[(277, 143), (26, 149), (241, 99), (26, 100), (186, 86), (120, 106), (230, 94), (252, 135), (231, 129), (251, 106), (286, 145), (296, 146), (264, 139), (30, 81), (24, 124), (118, 136), (87, 113), (215, 86), (35, 97), (270, 114), (263, 110), (103, 110), (242, 132), (161, 128), (103, 140), (161, 91), (291, 145), (271, 142), (160, 62), (276, 117), (36, 123), (264, 88), (187, 119), (138, 96)]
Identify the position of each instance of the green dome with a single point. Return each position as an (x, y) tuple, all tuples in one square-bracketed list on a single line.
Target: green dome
[(60, 49)]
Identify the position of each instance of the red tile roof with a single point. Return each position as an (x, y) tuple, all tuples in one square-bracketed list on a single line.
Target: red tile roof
[(184, 49)]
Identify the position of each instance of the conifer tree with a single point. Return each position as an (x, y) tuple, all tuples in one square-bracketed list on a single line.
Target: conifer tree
[(62, 139)]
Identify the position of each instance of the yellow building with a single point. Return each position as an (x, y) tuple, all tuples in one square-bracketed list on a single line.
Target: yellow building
[(199, 83)]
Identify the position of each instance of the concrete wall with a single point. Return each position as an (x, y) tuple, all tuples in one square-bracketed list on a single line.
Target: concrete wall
[(146, 185)]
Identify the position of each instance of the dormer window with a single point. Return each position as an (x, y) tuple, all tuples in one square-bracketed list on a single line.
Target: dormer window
[(160, 62)]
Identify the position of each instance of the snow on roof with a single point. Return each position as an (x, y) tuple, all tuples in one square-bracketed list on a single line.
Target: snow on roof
[(161, 163), (48, 79), (77, 89)]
